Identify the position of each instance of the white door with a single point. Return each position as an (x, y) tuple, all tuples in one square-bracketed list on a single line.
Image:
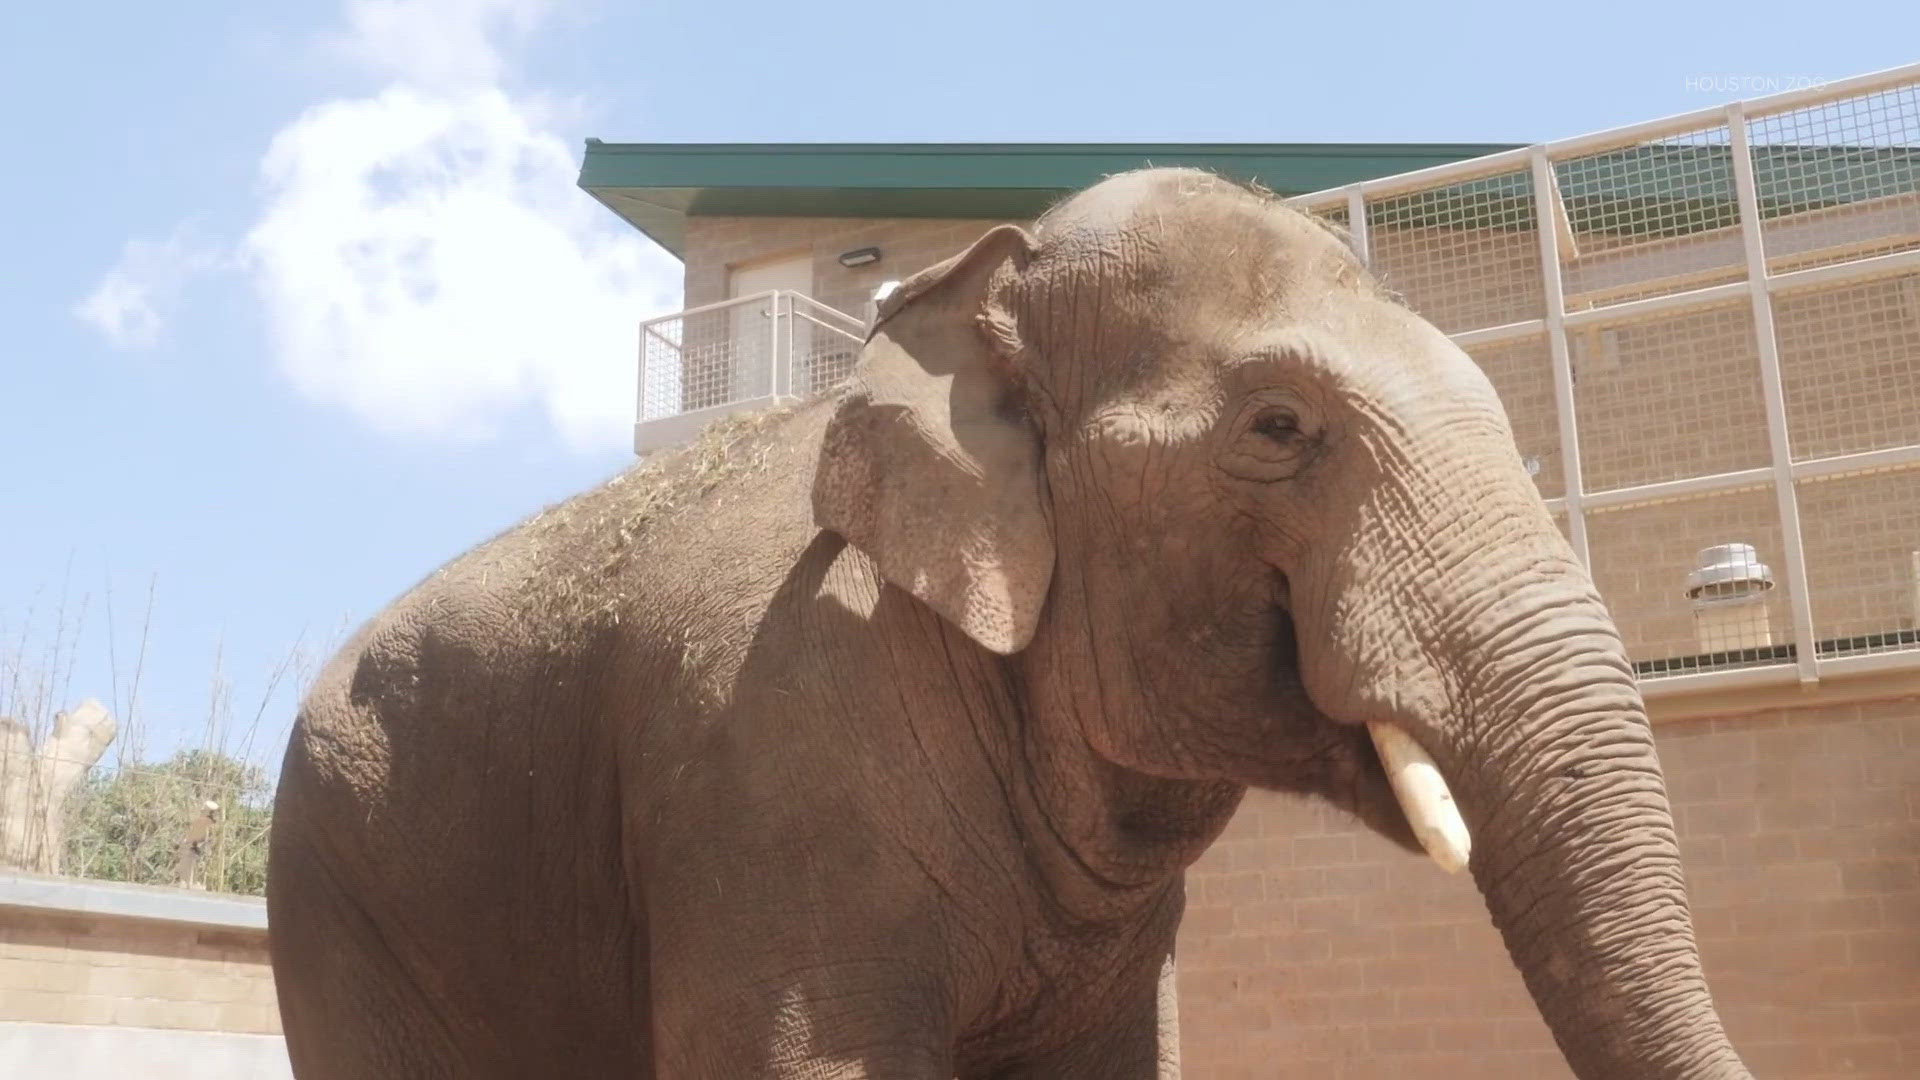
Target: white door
[(760, 334)]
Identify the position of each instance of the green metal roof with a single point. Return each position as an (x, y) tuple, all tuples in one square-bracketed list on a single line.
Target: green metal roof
[(657, 186)]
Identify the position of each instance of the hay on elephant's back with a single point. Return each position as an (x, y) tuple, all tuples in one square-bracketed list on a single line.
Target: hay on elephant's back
[(729, 449), (591, 537)]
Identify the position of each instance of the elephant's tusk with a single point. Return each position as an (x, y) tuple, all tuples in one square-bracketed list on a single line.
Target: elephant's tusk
[(1423, 796)]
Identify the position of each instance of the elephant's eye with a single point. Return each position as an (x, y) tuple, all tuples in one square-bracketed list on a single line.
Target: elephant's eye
[(1280, 425), (1273, 441)]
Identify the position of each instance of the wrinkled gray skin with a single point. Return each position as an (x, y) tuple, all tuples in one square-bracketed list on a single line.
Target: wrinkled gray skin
[(884, 757)]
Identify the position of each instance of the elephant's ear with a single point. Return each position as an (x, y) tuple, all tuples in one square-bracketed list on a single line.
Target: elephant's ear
[(931, 465)]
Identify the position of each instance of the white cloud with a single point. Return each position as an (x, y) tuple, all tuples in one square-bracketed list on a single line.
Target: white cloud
[(132, 303), (422, 255), (427, 262)]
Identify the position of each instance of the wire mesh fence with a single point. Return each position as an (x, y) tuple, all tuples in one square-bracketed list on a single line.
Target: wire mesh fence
[(1522, 374), (1653, 217), (1850, 363), (825, 344), (1863, 561), (1464, 255), (1840, 180), (1738, 305), (1668, 396), (743, 351)]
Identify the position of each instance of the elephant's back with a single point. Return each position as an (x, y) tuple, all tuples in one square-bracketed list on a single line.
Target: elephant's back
[(512, 645)]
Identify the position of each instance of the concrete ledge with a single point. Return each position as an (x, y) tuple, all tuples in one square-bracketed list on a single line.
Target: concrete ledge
[(1780, 688), (119, 900), (96, 1052)]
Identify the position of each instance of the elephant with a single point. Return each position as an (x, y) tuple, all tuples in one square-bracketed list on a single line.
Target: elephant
[(871, 736)]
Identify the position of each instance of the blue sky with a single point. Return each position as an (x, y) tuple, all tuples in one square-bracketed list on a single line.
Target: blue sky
[(299, 300)]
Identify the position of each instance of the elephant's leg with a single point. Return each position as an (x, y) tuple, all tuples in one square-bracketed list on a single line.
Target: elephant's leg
[(793, 962), (802, 1019), (350, 1008), (1141, 1041)]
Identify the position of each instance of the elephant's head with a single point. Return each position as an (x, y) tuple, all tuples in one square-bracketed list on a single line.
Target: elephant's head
[(1232, 506)]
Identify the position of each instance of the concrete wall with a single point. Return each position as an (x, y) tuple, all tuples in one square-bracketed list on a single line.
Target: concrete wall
[(92, 1052), (119, 981), (1313, 948)]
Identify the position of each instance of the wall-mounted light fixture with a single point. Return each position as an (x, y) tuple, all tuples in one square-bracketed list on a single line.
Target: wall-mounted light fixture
[(865, 256)]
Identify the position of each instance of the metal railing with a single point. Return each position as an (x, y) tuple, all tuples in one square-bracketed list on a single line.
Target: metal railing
[(709, 361), (1712, 322)]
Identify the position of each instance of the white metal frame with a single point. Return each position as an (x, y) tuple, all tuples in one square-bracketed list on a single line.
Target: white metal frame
[(784, 308), (1759, 286), (1561, 357), (1519, 158), (1771, 390)]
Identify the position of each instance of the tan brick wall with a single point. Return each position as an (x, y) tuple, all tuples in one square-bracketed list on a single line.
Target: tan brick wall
[(80, 969), (1314, 948)]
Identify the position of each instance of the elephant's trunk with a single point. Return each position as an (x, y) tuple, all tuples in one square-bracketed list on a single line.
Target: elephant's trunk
[(1504, 665), (1576, 855), (1543, 739)]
